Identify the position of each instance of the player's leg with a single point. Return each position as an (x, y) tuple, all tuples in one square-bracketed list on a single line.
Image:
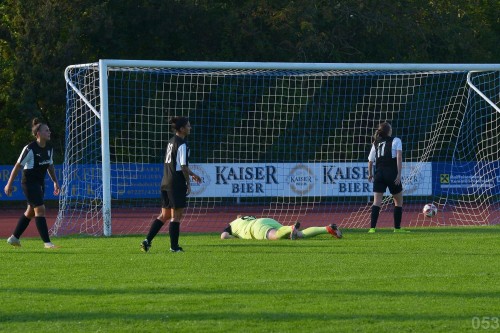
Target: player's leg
[(312, 231), (21, 226), (398, 211), (174, 229), (315, 231), (34, 193), (288, 231), (34, 196), (377, 202), (379, 187), (177, 197), (41, 225), (24, 221), (157, 224), (295, 231), (397, 196), (267, 228)]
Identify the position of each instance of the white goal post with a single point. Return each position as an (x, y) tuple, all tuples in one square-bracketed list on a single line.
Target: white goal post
[(287, 140)]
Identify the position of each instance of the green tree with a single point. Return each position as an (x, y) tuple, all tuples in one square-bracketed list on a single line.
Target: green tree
[(38, 39)]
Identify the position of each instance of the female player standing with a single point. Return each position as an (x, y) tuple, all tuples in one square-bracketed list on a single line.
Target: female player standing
[(36, 158), (387, 153), (175, 185)]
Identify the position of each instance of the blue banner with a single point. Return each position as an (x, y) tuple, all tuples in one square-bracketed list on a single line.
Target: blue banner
[(131, 181), (136, 180), (128, 181), (469, 178), (17, 193)]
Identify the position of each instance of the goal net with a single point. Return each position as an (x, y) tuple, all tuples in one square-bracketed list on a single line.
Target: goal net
[(286, 141)]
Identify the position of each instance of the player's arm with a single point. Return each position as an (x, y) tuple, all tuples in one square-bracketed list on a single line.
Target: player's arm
[(399, 162), (25, 157), (183, 157), (52, 174), (227, 233), (399, 159), (185, 172), (370, 171), (13, 175), (371, 159), (195, 177)]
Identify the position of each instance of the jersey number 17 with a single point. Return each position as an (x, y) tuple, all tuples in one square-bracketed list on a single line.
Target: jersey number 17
[(381, 149)]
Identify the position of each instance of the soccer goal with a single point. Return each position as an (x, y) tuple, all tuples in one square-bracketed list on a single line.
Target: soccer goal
[(283, 140)]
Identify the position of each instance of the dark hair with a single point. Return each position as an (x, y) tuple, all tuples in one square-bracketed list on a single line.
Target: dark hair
[(382, 131), (178, 123), (35, 126)]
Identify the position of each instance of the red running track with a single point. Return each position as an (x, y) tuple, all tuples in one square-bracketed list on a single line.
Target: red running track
[(137, 221)]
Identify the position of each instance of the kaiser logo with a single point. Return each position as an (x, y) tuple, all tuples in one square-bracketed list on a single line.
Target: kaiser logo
[(301, 179), (205, 180)]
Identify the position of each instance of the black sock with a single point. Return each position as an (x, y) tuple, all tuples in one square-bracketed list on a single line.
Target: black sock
[(398, 215), (155, 228), (22, 224), (174, 230), (374, 216), (43, 230)]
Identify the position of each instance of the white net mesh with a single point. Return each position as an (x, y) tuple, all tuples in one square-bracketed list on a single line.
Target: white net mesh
[(292, 145)]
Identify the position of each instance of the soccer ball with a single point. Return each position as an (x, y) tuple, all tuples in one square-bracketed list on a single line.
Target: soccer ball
[(430, 210)]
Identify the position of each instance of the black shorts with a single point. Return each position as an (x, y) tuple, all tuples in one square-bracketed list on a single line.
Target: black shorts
[(383, 179), (34, 194), (174, 198)]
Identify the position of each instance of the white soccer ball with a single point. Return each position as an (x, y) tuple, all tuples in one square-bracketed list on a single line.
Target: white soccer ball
[(430, 210)]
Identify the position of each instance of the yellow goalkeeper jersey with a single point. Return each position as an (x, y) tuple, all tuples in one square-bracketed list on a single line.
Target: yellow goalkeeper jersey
[(248, 227)]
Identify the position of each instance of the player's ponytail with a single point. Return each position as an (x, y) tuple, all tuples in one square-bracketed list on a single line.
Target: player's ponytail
[(35, 126), (382, 131), (178, 122)]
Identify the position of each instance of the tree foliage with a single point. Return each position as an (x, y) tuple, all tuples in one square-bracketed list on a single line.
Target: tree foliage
[(38, 39)]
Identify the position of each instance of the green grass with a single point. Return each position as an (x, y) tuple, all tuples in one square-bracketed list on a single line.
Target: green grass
[(432, 280)]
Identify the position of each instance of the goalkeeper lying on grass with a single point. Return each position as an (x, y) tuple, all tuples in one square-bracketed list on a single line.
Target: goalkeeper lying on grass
[(250, 227)]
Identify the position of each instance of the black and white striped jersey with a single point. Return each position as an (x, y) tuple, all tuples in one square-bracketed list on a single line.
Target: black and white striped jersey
[(36, 161), (177, 154)]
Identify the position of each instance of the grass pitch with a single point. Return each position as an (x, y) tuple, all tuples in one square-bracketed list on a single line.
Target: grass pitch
[(435, 280)]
